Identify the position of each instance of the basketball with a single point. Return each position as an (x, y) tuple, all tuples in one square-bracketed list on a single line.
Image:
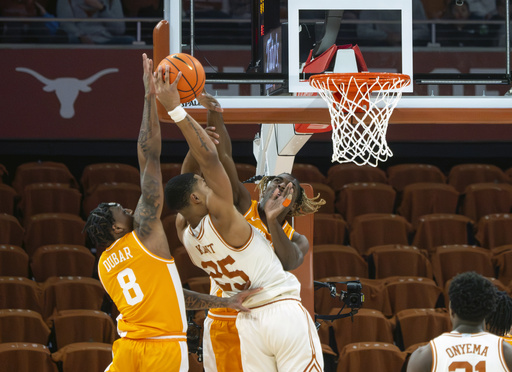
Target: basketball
[(193, 77)]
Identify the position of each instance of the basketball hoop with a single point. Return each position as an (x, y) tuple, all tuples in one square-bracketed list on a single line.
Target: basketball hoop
[(360, 105)]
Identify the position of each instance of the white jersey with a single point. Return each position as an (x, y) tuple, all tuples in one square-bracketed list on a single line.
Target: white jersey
[(232, 267), (468, 352)]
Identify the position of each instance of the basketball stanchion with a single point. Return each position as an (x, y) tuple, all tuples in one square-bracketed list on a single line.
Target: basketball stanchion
[(360, 105)]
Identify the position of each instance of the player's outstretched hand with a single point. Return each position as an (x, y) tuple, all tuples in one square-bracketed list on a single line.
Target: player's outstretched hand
[(147, 68), (235, 302), (166, 92), (214, 136), (209, 102)]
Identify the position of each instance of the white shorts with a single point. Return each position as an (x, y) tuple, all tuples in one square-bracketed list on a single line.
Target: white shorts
[(280, 336)]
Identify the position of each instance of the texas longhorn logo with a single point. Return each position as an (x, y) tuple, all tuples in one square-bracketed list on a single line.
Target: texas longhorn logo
[(67, 88)]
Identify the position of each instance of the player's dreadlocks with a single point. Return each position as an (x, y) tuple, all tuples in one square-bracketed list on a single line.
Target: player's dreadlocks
[(472, 296), (99, 225), (499, 321), (302, 206)]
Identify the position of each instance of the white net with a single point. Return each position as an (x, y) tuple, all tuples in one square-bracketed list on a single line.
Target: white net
[(360, 118)]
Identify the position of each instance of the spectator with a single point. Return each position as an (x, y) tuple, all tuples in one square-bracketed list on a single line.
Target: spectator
[(94, 32), (499, 32), (482, 9), (461, 33)]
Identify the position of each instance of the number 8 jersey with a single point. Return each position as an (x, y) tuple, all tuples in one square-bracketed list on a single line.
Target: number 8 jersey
[(146, 289), (468, 352)]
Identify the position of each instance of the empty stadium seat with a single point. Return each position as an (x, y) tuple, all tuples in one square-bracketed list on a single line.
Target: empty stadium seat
[(412, 292), (366, 356), (49, 198), (21, 325), (96, 174), (53, 228), (169, 170), (246, 171), (71, 326), (13, 261), (401, 175), (338, 260), (494, 230), (414, 326), (308, 173), (26, 357), (329, 228), (20, 293), (438, 229), (463, 175), (341, 174), (84, 357), (71, 292), (502, 261), (3, 173), (199, 284), (11, 231), (8, 199), (366, 326), (169, 223), (374, 229), (42, 171), (419, 199), (355, 199), (61, 260), (126, 194), (481, 199), (450, 260), (398, 260)]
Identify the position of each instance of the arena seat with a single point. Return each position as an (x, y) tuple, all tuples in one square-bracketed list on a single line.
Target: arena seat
[(23, 325), (20, 293), (481, 199), (49, 198), (11, 231), (373, 229), (355, 199), (169, 223), (338, 260), (412, 292), (401, 175), (126, 194), (53, 228), (414, 326), (8, 199), (438, 229), (246, 171), (308, 173), (329, 228), (78, 325), (62, 260), (43, 171), (71, 292), (494, 230), (419, 199), (450, 260), (26, 357), (398, 260), (365, 356), (340, 175), (99, 173), (326, 193), (84, 357), (463, 175), (14, 261), (502, 261)]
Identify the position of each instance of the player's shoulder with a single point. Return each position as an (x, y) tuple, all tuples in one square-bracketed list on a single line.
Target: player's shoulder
[(421, 359)]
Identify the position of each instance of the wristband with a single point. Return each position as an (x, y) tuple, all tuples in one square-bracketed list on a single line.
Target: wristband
[(178, 114)]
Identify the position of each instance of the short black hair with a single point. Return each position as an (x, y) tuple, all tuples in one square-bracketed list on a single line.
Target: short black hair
[(178, 190), (499, 321), (98, 226), (472, 296)]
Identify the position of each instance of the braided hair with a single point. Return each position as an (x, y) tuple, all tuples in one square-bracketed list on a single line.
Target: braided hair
[(499, 321), (98, 226), (303, 204), (472, 296)]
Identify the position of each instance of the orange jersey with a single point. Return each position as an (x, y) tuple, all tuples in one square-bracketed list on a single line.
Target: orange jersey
[(146, 290), (253, 217)]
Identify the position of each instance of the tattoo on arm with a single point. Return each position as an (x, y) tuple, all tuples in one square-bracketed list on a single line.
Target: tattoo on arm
[(200, 301), (203, 143), (145, 129), (148, 205)]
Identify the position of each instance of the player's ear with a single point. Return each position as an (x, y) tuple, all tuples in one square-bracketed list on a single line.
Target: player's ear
[(194, 198)]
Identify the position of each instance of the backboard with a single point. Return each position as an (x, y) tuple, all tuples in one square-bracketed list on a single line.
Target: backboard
[(253, 63)]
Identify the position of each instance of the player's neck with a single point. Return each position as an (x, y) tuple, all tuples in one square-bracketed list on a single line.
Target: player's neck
[(469, 328)]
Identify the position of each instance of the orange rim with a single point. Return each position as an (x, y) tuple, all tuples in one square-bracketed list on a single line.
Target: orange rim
[(334, 81)]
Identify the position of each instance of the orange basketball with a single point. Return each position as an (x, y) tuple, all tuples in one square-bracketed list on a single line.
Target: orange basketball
[(193, 77)]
